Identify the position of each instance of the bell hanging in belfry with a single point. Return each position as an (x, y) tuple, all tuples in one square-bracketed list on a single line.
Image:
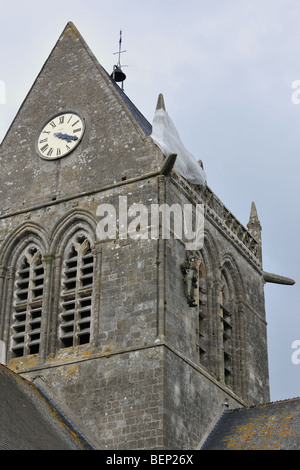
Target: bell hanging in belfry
[(118, 75)]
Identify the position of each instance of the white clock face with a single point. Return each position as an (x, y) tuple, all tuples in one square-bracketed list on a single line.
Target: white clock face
[(60, 135)]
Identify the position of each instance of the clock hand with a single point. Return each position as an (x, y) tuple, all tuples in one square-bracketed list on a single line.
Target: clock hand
[(66, 137)]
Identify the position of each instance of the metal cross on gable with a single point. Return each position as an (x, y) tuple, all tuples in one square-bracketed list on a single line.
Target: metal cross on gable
[(118, 75), (120, 51)]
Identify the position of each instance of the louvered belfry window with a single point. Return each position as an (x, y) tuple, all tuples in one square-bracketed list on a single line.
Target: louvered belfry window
[(28, 303), (76, 298)]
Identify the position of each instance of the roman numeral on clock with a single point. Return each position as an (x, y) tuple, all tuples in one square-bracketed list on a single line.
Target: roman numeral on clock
[(44, 148)]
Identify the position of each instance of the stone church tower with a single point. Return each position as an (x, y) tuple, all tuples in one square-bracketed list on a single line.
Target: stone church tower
[(103, 325)]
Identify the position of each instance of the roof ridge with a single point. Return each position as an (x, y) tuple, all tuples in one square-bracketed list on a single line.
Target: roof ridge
[(53, 414), (70, 426), (258, 405), (141, 124), (213, 431), (132, 110)]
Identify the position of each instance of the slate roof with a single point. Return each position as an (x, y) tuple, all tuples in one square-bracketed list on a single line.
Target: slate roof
[(138, 116), (29, 419), (133, 110), (270, 426)]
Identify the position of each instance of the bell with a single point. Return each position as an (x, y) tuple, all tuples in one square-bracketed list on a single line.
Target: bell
[(118, 75)]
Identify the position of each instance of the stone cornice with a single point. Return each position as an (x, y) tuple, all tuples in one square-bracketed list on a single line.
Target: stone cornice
[(222, 218)]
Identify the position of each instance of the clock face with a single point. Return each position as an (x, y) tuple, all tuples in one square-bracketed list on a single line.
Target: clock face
[(60, 135)]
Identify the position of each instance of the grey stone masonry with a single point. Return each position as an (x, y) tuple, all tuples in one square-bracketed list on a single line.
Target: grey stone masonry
[(104, 323)]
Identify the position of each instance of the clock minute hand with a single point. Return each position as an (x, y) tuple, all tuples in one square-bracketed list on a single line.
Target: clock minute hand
[(66, 137)]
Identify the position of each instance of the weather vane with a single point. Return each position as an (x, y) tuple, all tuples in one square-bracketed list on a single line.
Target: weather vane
[(118, 75)]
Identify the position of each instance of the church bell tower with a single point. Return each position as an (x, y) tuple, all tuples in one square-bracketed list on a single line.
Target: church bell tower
[(103, 324)]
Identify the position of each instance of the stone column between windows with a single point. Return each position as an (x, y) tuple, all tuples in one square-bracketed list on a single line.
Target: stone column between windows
[(2, 309), (44, 339), (211, 362), (11, 272), (95, 316), (54, 306)]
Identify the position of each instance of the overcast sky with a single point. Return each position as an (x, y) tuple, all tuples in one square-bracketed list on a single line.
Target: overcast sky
[(226, 69)]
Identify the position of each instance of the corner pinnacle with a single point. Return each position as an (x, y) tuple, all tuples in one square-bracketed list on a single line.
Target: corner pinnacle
[(254, 223), (160, 102)]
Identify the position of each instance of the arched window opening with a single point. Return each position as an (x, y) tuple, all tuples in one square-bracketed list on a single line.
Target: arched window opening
[(202, 318), (226, 326), (77, 289), (28, 303)]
